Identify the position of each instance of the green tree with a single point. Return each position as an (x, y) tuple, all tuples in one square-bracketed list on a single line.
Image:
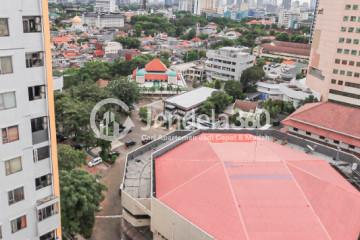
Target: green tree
[(283, 37), (70, 158), (129, 42), (234, 89), (218, 101), (81, 194), (144, 114), (217, 84), (105, 147), (251, 75), (309, 99), (125, 90), (207, 107)]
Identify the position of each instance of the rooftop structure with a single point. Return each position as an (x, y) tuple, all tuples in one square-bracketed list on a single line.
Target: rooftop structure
[(280, 71), (233, 177), (287, 50), (236, 178), (156, 74), (327, 122)]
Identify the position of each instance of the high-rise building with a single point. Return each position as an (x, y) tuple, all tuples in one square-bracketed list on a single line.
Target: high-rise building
[(286, 4), (105, 6), (29, 182), (186, 5), (334, 69)]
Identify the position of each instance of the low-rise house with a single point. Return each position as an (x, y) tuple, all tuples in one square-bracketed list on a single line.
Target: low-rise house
[(286, 50), (294, 91), (243, 108), (328, 123), (191, 71), (112, 48), (187, 103)]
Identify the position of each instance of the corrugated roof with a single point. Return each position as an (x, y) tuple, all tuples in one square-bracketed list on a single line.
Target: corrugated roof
[(234, 186)]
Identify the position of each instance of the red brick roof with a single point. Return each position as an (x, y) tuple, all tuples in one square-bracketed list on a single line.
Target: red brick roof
[(245, 106), (328, 119), (288, 47), (155, 66)]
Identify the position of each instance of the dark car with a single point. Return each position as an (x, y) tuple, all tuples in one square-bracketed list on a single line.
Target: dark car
[(60, 137), (114, 153), (145, 140), (130, 143)]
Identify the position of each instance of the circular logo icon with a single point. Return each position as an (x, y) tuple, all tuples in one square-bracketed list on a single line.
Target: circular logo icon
[(109, 129)]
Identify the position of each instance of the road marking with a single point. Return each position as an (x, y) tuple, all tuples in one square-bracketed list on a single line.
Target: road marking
[(112, 216)]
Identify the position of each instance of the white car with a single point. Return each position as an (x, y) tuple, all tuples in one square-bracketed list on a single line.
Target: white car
[(95, 162)]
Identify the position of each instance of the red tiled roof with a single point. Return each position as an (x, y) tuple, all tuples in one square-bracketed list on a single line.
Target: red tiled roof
[(155, 65), (288, 47), (156, 77), (61, 39), (236, 186), (99, 53), (328, 119), (245, 106)]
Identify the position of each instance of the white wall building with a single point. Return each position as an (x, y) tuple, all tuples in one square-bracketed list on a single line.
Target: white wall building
[(103, 20), (105, 6), (112, 48), (228, 63), (29, 183)]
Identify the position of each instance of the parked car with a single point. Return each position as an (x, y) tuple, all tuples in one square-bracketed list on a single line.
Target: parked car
[(60, 137), (145, 139), (130, 143), (114, 153), (95, 161)]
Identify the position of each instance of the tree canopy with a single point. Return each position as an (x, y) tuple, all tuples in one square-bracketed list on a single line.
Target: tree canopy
[(234, 89), (70, 158)]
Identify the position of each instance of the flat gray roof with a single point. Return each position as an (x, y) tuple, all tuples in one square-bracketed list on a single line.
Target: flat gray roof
[(191, 99)]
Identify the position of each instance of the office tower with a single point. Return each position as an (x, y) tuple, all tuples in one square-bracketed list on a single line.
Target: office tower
[(334, 69), (286, 4), (105, 6), (29, 182), (313, 4), (168, 3)]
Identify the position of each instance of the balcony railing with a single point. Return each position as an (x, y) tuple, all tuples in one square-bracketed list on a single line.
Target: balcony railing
[(40, 136)]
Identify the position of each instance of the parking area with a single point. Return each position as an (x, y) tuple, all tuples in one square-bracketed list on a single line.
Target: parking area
[(107, 222)]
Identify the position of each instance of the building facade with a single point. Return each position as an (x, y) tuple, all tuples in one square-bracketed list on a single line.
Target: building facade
[(228, 63), (104, 20), (334, 69), (105, 6), (29, 182)]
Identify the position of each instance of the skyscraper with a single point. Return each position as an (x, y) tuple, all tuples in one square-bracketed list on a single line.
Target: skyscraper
[(29, 182), (334, 69), (286, 4)]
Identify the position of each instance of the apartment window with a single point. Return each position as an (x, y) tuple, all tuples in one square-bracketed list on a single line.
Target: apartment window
[(345, 94), (337, 61), (339, 50), (49, 236), (6, 65), (295, 129), (341, 40), (7, 100), (32, 24), (348, 40), (347, 7), (353, 18), (18, 224), (346, 18), (354, 85), (351, 63), (355, 7), (343, 29), (322, 137), (353, 52), (333, 81), (358, 64), (343, 62), (342, 72), (10, 134), (340, 82), (41, 153), (38, 124), (43, 181), (16, 195), (4, 27), (356, 41), (36, 92), (336, 142), (308, 133), (349, 73), (48, 211), (351, 29), (346, 51), (352, 146), (357, 75), (357, 30), (13, 166), (335, 71), (34, 59)]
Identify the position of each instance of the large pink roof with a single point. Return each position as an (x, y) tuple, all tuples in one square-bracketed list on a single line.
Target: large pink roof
[(246, 188)]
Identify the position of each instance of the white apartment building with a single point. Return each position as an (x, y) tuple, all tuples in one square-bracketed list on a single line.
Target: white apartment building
[(112, 48), (228, 63), (29, 183), (103, 20), (105, 6), (288, 18)]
